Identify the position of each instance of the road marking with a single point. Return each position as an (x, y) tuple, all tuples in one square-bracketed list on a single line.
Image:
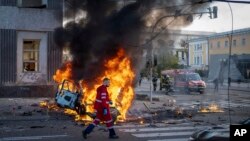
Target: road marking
[(162, 134), (176, 139), (30, 137), (161, 129)]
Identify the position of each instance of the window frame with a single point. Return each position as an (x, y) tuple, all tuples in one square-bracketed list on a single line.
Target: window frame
[(44, 4), (226, 44), (36, 61), (218, 44), (243, 41), (234, 43)]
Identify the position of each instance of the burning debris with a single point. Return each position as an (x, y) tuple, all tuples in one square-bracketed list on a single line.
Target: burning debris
[(105, 43), (211, 108)]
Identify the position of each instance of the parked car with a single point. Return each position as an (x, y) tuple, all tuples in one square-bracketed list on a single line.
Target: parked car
[(190, 82)]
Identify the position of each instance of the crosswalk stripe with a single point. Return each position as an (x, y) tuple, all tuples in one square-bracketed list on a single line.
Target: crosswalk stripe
[(177, 139), (160, 129), (162, 134)]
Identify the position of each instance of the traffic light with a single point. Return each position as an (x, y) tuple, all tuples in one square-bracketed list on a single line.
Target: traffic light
[(215, 11), (212, 12)]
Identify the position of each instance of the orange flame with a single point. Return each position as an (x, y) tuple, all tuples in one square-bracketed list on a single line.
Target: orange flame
[(121, 92), (211, 109)]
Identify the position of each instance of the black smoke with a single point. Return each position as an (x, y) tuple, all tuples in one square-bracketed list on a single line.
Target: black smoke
[(106, 29)]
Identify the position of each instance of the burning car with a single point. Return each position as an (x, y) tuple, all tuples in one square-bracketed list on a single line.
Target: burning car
[(190, 82), (69, 96)]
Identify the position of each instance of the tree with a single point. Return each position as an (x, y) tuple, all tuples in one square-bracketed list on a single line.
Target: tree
[(167, 61)]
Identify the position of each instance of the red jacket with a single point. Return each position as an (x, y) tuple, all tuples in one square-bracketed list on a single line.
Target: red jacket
[(102, 98)]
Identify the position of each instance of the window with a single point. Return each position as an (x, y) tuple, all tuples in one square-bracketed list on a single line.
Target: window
[(211, 45), (32, 3), (234, 43), (243, 42), (218, 44), (30, 55), (226, 43), (200, 46), (182, 54)]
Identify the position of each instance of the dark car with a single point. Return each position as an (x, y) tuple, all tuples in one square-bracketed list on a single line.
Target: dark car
[(216, 133), (190, 82)]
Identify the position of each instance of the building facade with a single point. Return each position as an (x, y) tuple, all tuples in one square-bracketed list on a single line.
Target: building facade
[(216, 51), (29, 56), (198, 53), (173, 42)]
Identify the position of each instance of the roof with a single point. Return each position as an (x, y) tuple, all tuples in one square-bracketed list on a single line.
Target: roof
[(222, 34)]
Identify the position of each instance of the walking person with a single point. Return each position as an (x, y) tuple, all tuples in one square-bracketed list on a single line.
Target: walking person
[(102, 110), (154, 80), (140, 79), (216, 84)]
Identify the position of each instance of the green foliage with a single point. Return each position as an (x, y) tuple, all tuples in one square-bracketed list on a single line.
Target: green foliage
[(167, 61)]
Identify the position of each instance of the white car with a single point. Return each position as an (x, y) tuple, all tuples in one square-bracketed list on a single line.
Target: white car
[(68, 98)]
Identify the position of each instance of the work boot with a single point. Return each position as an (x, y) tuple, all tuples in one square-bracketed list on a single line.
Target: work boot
[(84, 134), (114, 137), (112, 134), (88, 130)]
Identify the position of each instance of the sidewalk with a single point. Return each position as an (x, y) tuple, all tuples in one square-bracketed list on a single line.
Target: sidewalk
[(234, 86), (23, 109)]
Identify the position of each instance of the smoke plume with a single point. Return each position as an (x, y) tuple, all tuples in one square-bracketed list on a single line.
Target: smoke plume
[(110, 25)]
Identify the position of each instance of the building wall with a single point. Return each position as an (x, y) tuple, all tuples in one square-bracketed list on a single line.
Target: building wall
[(198, 48), (32, 19), (38, 77), (18, 23), (54, 57), (8, 56), (238, 49), (8, 2)]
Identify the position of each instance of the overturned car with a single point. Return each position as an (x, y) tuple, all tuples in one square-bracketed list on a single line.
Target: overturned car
[(69, 95)]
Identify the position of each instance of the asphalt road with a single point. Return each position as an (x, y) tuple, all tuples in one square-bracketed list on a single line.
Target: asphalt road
[(62, 128)]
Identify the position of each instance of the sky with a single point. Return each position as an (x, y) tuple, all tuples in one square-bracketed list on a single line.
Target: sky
[(241, 18)]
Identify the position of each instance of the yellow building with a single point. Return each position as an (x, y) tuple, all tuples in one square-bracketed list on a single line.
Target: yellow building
[(217, 55), (198, 53), (220, 45), (220, 42)]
